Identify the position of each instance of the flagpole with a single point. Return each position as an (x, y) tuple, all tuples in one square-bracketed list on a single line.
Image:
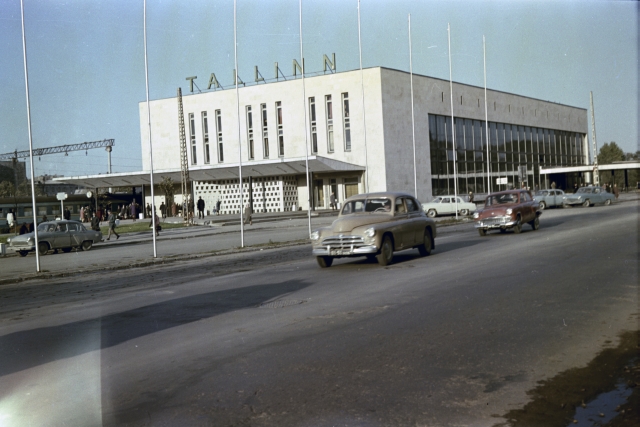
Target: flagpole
[(453, 126), (146, 78), (413, 126), (33, 186), (235, 54), (304, 107), (486, 115), (364, 120)]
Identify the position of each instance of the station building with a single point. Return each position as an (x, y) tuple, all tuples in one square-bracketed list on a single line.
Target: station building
[(354, 129)]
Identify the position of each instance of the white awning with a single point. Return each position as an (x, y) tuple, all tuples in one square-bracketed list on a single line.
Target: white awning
[(589, 168)]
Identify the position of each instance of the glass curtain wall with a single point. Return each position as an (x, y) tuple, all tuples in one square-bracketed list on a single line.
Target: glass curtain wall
[(515, 152)]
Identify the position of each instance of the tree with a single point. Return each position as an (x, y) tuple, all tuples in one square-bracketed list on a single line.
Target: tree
[(167, 187), (609, 153)]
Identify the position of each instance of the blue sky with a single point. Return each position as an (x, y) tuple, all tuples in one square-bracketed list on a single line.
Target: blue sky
[(86, 59)]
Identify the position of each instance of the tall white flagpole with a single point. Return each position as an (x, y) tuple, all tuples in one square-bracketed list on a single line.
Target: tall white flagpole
[(453, 127), (364, 120), (33, 186), (413, 126), (146, 78), (486, 116), (304, 107), (235, 53)]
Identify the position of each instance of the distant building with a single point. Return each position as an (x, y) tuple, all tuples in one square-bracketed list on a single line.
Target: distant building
[(14, 172)]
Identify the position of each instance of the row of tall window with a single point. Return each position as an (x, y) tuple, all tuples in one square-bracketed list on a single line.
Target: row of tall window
[(205, 137), (313, 122), (511, 148)]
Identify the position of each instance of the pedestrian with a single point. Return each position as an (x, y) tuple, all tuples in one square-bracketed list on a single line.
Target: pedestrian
[(200, 208), (616, 192), (81, 213), (163, 210), (470, 196), (575, 187), (44, 218), (247, 214), (95, 223), (24, 229), (67, 214), (158, 227), (218, 203), (174, 209), (148, 210), (190, 208), (553, 184), (10, 218), (134, 211), (332, 201), (112, 225)]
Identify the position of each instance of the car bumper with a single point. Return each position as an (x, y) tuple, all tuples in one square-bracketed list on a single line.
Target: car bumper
[(16, 249), (495, 222), (355, 251)]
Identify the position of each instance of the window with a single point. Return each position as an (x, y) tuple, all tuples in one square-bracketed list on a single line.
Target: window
[(329, 108), (314, 126), (265, 131), (192, 138), (219, 134), (250, 132), (205, 137), (346, 122), (280, 131)]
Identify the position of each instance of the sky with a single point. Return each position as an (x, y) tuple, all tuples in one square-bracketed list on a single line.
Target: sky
[(85, 59)]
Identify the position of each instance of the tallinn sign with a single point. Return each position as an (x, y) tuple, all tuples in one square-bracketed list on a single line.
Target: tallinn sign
[(214, 84)]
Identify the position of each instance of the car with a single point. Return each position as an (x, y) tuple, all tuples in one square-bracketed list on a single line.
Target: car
[(375, 225), (589, 196), (550, 198), (53, 235), (446, 205), (506, 210)]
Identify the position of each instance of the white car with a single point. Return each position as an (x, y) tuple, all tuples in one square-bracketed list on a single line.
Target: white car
[(446, 205)]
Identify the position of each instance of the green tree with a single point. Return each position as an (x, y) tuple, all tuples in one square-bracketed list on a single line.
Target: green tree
[(167, 187), (609, 153)]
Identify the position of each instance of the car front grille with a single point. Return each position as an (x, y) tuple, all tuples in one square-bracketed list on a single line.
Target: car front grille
[(19, 244), (343, 242), (495, 221)]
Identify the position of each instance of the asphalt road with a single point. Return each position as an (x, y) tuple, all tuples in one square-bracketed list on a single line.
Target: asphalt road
[(267, 338)]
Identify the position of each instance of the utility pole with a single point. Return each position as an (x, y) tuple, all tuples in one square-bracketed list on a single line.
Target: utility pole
[(596, 175), (184, 161)]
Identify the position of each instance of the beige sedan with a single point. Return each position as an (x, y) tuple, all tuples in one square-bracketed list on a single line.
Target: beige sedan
[(375, 225)]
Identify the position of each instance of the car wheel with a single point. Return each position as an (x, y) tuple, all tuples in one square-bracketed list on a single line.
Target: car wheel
[(324, 261), (43, 248), (482, 232), (426, 247), (607, 202), (86, 245), (518, 227), (586, 203), (66, 250), (386, 252), (464, 212), (535, 224), (543, 206), (23, 253), (431, 213)]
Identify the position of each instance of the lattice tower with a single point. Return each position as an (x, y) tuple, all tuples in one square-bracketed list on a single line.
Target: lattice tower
[(184, 161)]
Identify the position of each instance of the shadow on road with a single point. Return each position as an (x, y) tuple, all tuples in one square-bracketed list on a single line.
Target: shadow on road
[(27, 349)]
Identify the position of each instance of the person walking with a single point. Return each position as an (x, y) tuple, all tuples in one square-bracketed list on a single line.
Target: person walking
[(148, 210), (247, 214), (95, 222), (158, 227), (470, 196), (67, 214), (134, 211), (218, 203), (81, 213), (200, 208), (112, 225), (163, 210), (616, 192), (332, 201)]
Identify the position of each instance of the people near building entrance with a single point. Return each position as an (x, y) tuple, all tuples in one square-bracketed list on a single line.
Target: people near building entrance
[(81, 213), (10, 218), (575, 187), (553, 184), (174, 209), (95, 223), (148, 210), (200, 207), (218, 204), (67, 214), (163, 210), (247, 214), (332, 201), (112, 225), (470, 196), (616, 192), (24, 229), (190, 207), (133, 209), (44, 218), (158, 226)]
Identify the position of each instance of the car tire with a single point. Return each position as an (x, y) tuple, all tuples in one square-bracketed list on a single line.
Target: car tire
[(607, 202), (324, 261), (518, 227), (43, 248), (543, 206), (386, 251), (464, 212), (23, 253), (427, 245), (87, 245), (586, 203), (66, 250), (482, 232), (535, 224), (431, 213)]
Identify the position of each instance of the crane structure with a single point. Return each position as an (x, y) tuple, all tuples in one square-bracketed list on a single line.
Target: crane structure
[(596, 175), (184, 161), (108, 143)]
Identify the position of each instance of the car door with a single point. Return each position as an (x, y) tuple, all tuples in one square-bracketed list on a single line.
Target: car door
[(75, 234), (61, 238), (529, 206), (401, 220), (416, 222), (446, 207)]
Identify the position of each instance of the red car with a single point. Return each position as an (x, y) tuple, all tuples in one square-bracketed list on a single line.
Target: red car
[(508, 210)]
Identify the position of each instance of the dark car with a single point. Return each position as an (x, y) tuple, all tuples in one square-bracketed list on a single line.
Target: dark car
[(508, 210), (54, 235)]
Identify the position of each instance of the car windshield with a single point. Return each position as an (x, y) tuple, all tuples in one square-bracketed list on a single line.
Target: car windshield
[(542, 193), (437, 200), (501, 199), (378, 204), (584, 190), (46, 227)]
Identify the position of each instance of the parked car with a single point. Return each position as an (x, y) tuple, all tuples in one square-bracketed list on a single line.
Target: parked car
[(549, 198), (508, 210), (446, 205), (375, 225), (588, 196), (54, 235)]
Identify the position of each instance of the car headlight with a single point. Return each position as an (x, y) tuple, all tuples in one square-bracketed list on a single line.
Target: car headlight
[(509, 211), (314, 236), (8, 240), (370, 232), (30, 240), (476, 215)]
